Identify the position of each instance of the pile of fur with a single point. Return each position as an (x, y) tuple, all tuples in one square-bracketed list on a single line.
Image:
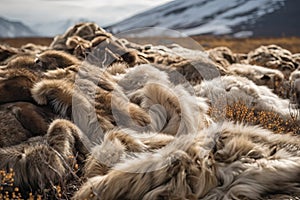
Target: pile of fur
[(129, 121)]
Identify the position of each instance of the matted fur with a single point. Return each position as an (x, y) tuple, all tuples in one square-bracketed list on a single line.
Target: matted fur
[(272, 78), (173, 109), (21, 120), (44, 161), (119, 145), (224, 161), (94, 102)]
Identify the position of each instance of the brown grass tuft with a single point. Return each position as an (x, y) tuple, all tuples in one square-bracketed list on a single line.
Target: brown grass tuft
[(240, 112)]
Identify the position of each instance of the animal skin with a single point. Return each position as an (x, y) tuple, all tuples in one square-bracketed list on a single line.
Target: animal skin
[(20, 121), (94, 102), (120, 144), (297, 91), (45, 161), (169, 106), (52, 59), (15, 85), (144, 131), (272, 78), (224, 161), (227, 90)]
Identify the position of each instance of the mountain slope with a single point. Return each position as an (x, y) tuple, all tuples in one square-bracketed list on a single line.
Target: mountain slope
[(14, 29), (218, 17)]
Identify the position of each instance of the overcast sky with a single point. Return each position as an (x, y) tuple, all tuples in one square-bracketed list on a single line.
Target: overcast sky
[(104, 12)]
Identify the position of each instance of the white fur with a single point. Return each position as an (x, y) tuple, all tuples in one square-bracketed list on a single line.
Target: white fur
[(227, 90)]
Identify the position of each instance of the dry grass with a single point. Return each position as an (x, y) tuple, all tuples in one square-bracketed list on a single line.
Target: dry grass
[(240, 112), (18, 42), (236, 45), (244, 45)]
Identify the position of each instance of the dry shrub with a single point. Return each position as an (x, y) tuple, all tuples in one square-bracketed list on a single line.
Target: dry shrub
[(240, 112), (7, 189)]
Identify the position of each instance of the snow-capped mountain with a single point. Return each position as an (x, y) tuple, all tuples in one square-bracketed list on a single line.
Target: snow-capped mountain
[(218, 17), (14, 29)]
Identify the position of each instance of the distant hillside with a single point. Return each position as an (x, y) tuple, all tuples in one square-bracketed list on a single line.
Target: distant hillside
[(238, 18), (14, 29)]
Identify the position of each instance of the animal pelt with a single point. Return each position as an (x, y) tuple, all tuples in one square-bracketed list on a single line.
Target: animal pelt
[(22, 61), (138, 76), (15, 85), (294, 75), (33, 48), (52, 59), (222, 55), (6, 52), (297, 91), (121, 144), (93, 101), (275, 57), (224, 161), (272, 78), (45, 161), (20, 121), (173, 109), (227, 90), (86, 31)]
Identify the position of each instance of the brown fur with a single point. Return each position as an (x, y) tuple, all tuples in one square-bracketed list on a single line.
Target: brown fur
[(20, 121), (117, 144), (52, 59), (44, 161), (57, 93), (117, 68), (33, 48), (6, 52), (102, 105), (22, 61), (15, 85), (274, 57)]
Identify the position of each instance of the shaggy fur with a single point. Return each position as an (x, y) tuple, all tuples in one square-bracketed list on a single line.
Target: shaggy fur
[(143, 132), (297, 91), (94, 102), (275, 57), (20, 120), (120, 145), (227, 90), (260, 75), (294, 75), (52, 59), (6, 52), (44, 161), (22, 61), (225, 161), (169, 106)]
